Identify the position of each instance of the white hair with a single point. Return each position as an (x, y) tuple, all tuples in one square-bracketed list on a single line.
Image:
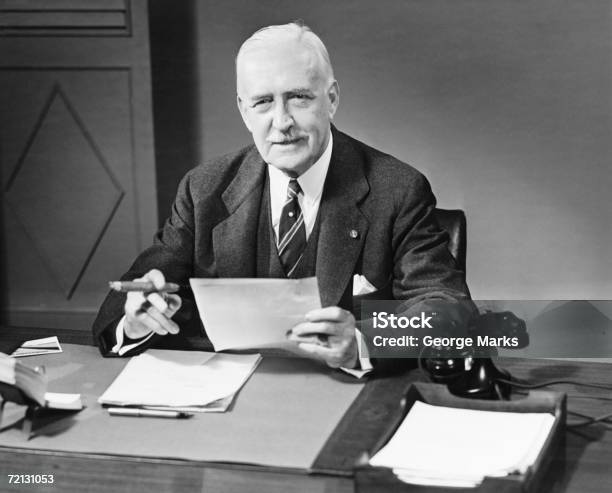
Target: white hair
[(294, 31)]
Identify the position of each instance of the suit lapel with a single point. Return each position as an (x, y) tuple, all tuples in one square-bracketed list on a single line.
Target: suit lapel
[(342, 225), (235, 237)]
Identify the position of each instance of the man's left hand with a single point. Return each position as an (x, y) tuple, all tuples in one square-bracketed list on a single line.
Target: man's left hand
[(328, 334)]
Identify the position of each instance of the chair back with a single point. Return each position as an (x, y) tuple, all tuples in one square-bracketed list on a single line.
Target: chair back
[(454, 223)]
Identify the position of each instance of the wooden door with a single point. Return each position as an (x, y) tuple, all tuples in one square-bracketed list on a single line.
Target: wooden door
[(76, 154)]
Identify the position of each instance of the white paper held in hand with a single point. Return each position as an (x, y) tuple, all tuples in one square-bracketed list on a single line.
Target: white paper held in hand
[(253, 313)]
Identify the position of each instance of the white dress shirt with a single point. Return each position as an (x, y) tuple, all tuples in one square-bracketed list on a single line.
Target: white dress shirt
[(311, 183)]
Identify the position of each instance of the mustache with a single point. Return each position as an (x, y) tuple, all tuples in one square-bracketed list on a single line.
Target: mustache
[(284, 139)]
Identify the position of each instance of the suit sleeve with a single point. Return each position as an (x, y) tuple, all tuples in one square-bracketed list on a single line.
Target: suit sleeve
[(425, 276), (423, 265), (172, 254)]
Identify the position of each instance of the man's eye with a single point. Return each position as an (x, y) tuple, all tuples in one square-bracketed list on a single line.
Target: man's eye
[(301, 100), (261, 102)]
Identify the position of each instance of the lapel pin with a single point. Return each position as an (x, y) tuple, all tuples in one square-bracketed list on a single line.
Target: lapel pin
[(354, 234)]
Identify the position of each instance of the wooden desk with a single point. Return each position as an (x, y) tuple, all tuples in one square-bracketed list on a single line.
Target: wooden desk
[(584, 465)]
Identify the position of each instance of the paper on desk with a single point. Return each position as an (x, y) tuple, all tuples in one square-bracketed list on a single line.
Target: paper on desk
[(219, 406), (179, 378), (56, 400), (444, 446), (253, 313), (35, 347)]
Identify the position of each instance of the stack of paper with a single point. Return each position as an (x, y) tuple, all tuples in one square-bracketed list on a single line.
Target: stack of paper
[(35, 347), (30, 381), (444, 446), (181, 380), (67, 402), (33, 383), (253, 313)]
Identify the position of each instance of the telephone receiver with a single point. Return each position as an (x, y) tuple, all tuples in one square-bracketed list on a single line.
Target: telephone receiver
[(482, 381), (473, 374)]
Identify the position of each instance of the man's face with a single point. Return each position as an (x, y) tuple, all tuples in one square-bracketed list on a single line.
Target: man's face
[(287, 103)]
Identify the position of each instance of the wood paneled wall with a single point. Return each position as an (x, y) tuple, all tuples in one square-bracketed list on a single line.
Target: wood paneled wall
[(76, 154)]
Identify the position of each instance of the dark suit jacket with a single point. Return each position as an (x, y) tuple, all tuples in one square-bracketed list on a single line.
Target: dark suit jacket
[(212, 232)]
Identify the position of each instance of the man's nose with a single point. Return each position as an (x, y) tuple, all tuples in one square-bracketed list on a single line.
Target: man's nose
[(282, 119)]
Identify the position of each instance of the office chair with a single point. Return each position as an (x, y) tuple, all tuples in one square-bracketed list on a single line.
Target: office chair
[(453, 222), (484, 380)]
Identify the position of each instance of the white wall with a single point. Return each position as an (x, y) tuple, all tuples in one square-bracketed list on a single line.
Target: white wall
[(505, 105)]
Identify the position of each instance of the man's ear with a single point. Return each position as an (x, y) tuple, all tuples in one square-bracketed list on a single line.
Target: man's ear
[(333, 93), (243, 112)]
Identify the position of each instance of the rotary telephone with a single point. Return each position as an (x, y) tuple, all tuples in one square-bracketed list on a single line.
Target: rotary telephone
[(473, 373)]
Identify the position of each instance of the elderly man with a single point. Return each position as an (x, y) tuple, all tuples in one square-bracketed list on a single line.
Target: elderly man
[(305, 200)]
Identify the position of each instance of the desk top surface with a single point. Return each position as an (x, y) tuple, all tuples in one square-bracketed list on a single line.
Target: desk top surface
[(583, 464), (282, 417)]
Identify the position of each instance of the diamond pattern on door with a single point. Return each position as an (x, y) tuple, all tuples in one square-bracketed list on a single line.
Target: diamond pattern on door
[(62, 180)]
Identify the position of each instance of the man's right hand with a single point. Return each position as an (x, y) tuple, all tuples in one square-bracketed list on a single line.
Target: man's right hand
[(150, 312)]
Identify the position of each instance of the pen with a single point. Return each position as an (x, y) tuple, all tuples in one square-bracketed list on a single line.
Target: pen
[(147, 413), (145, 286)]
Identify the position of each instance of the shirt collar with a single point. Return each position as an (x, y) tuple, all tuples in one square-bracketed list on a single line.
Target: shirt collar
[(311, 181)]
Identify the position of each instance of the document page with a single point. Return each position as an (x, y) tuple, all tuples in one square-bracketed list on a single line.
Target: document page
[(35, 347), (57, 400), (179, 378), (445, 446), (253, 313)]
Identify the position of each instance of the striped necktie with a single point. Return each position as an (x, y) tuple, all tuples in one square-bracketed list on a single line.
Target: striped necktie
[(291, 230)]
